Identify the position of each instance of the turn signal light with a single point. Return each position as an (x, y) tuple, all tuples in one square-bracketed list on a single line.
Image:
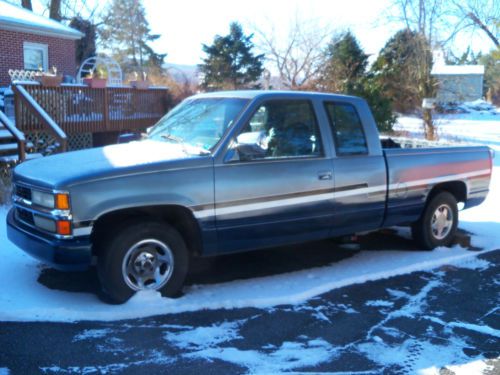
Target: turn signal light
[(62, 201), (63, 227)]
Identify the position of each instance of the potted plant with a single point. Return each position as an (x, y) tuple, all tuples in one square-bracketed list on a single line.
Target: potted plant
[(140, 84), (96, 79), (49, 79)]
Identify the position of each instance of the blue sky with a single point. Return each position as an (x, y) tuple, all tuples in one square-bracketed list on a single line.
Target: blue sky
[(186, 24)]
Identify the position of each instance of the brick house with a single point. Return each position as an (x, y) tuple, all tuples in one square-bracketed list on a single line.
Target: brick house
[(29, 41)]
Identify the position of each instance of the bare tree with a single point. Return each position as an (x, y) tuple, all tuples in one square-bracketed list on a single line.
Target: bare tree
[(426, 17), (55, 10), (443, 21), (297, 59), (483, 15)]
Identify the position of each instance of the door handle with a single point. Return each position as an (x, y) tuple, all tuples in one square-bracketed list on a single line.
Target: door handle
[(325, 175)]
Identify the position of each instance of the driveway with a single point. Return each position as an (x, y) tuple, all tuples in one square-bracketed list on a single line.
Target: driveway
[(443, 321)]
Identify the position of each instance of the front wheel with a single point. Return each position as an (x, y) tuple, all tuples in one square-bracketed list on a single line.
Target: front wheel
[(438, 224), (142, 255)]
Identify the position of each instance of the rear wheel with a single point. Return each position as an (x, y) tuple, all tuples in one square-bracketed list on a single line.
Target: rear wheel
[(438, 224), (142, 255)]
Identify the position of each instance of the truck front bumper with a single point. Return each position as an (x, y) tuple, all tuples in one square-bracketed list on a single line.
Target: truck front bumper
[(65, 254)]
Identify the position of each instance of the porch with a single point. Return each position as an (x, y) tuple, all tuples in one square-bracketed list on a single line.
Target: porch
[(70, 117)]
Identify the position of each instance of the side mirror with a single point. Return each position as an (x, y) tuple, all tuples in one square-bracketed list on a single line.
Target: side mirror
[(244, 152)]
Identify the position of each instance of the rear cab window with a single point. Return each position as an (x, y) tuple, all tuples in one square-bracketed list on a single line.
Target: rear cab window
[(346, 128)]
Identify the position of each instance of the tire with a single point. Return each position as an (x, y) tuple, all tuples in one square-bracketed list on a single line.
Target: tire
[(142, 255), (438, 224)]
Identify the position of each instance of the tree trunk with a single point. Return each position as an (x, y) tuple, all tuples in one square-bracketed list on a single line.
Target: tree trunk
[(27, 4), (429, 129), (55, 10)]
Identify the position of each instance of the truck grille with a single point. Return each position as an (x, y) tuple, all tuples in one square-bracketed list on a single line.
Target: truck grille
[(25, 215), (23, 192)]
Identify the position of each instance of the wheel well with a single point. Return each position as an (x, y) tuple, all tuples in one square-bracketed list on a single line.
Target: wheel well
[(457, 188), (178, 217)]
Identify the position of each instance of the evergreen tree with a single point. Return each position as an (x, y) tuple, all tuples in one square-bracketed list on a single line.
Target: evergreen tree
[(403, 70), (126, 33), (491, 63), (467, 58), (345, 72), (230, 62), (345, 64), (86, 46)]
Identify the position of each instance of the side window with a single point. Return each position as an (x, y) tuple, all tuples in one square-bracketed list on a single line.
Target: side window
[(280, 129), (347, 129)]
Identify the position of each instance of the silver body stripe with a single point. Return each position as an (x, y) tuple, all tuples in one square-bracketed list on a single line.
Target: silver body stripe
[(328, 196)]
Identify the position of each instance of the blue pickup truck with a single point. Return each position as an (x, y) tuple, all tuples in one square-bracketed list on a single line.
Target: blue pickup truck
[(235, 171)]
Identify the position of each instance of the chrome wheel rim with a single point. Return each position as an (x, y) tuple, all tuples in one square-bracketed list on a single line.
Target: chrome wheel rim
[(442, 221), (148, 265)]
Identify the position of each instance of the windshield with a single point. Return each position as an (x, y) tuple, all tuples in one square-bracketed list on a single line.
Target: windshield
[(198, 123)]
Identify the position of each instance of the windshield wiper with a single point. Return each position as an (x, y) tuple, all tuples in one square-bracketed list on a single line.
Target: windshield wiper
[(199, 150), (173, 138)]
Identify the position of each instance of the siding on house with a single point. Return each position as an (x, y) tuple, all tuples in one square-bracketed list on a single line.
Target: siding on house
[(61, 53), (459, 88), (458, 83)]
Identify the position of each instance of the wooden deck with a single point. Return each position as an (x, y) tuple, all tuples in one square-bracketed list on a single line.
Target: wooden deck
[(75, 112), (81, 109)]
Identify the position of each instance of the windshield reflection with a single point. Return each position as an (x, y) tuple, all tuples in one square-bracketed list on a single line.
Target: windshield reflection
[(198, 123)]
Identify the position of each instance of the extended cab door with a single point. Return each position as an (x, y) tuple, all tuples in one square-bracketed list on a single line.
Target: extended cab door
[(359, 167), (275, 185)]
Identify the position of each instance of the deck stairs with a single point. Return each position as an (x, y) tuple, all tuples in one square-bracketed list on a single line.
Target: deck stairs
[(9, 152)]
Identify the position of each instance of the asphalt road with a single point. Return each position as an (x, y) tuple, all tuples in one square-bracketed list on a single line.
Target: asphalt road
[(402, 325)]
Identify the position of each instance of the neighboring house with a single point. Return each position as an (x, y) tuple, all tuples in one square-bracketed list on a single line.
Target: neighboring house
[(458, 83), (30, 42)]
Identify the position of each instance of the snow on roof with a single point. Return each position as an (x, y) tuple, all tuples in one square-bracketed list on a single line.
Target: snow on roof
[(15, 18), (457, 69)]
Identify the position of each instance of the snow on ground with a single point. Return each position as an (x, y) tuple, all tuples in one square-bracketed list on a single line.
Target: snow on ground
[(479, 124), (22, 298)]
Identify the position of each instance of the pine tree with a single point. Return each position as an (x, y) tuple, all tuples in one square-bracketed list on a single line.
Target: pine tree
[(403, 69), (345, 72), (86, 46), (345, 64), (126, 33), (491, 63), (230, 62)]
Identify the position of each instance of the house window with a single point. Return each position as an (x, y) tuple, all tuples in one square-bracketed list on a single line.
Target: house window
[(36, 56)]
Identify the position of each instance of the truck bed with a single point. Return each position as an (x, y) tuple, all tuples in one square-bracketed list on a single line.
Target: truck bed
[(413, 172)]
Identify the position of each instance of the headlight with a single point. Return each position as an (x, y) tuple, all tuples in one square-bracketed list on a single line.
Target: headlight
[(44, 223), (42, 199), (49, 200)]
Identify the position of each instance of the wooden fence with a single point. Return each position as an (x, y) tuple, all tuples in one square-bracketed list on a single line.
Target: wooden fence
[(81, 109)]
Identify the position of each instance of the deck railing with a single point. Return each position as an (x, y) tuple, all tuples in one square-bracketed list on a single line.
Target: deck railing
[(81, 109)]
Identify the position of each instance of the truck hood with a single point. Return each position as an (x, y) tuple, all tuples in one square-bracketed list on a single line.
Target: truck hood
[(63, 170)]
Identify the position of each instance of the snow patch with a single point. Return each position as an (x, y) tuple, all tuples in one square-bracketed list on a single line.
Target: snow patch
[(379, 303), (475, 264), (92, 334), (289, 356), (205, 337), (475, 367), (416, 355)]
